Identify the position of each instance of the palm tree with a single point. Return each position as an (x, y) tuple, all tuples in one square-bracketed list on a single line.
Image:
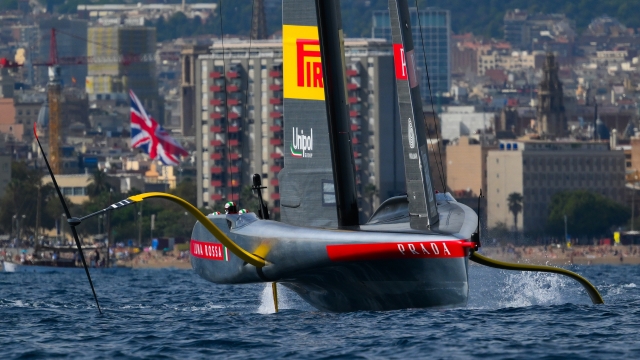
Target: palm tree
[(515, 207), (99, 184)]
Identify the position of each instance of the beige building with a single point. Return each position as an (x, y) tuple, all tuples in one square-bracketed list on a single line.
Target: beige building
[(467, 166), (539, 169), (512, 61), (74, 187)]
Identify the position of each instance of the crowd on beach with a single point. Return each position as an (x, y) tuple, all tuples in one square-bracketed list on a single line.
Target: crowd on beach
[(590, 253)]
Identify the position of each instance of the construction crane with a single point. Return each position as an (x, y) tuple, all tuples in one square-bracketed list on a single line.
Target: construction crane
[(54, 88)]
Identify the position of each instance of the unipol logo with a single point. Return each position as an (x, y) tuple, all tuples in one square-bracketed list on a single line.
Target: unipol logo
[(411, 134), (309, 64), (301, 144), (400, 61)]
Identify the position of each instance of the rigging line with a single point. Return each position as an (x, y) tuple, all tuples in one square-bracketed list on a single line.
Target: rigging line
[(226, 108), (246, 89), (440, 165)]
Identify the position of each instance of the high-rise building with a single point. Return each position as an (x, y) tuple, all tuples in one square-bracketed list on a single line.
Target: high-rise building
[(125, 60), (433, 28), (239, 119), (539, 169), (188, 58)]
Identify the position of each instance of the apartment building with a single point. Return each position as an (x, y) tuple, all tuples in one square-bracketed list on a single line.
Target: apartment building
[(539, 169), (239, 119)]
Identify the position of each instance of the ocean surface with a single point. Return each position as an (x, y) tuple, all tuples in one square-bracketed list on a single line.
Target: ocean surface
[(174, 314)]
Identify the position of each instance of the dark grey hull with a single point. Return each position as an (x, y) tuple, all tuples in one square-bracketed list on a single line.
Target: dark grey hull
[(382, 266), (385, 285)]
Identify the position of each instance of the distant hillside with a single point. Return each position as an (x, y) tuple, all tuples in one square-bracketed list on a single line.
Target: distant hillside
[(482, 17)]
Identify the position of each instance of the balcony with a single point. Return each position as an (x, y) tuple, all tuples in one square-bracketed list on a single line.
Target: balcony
[(215, 102), (233, 115), (215, 88), (275, 101), (234, 142), (216, 170), (215, 116), (215, 75), (234, 156), (352, 86), (354, 140), (275, 196), (232, 88), (276, 155), (352, 72), (275, 74), (354, 113), (218, 129), (234, 197), (234, 169), (216, 143), (233, 129), (275, 142), (355, 127), (216, 197), (216, 183), (216, 156), (275, 128), (232, 102), (232, 74), (356, 155), (275, 87), (275, 182), (275, 210), (353, 100), (275, 114), (276, 169)]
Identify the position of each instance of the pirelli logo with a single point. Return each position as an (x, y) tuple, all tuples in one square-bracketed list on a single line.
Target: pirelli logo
[(302, 63)]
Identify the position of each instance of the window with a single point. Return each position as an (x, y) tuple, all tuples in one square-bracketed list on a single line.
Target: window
[(67, 191), (328, 193), (78, 191)]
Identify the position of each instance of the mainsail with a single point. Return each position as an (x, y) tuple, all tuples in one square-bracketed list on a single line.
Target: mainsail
[(307, 194), (420, 193)]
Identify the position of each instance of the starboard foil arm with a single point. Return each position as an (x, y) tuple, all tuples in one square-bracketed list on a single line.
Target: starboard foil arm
[(591, 290)]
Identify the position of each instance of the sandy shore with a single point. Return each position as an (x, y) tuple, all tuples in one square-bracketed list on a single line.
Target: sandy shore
[(576, 255)]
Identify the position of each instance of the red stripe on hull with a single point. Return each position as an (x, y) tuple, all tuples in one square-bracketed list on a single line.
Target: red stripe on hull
[(403, 250)]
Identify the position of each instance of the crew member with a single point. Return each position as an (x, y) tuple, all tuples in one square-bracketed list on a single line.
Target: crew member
[(230, 208)]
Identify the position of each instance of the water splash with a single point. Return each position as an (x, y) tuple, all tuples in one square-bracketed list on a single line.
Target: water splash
[(532, 288), (266, 299)]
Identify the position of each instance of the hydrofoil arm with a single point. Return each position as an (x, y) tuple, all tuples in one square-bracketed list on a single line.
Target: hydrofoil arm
[(591, 290)]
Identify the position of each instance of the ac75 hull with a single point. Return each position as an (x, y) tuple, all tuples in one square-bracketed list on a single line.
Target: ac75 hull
[(337, 270)]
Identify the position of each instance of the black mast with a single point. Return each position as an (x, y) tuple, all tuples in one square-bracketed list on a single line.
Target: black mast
[(335, 92)]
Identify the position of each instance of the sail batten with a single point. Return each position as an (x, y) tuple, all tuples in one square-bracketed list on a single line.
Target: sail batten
[(420, 192)]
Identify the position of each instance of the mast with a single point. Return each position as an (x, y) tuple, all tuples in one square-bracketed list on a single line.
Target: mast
[(335, 92), (420, 193)]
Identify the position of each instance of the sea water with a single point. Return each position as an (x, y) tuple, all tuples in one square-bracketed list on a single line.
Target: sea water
[(175, 314)]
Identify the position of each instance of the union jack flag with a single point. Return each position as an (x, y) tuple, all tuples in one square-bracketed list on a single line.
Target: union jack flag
[(148, 135)]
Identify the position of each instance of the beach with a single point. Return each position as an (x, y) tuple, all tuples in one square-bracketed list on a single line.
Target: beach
[(576, 255)]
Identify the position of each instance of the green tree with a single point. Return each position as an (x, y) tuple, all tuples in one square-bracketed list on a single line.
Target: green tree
[(588, 213), (99, 184), (248, 200), (514, 201), (21, 198)]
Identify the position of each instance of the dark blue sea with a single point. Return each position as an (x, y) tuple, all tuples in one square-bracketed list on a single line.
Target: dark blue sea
[(174, 314)]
